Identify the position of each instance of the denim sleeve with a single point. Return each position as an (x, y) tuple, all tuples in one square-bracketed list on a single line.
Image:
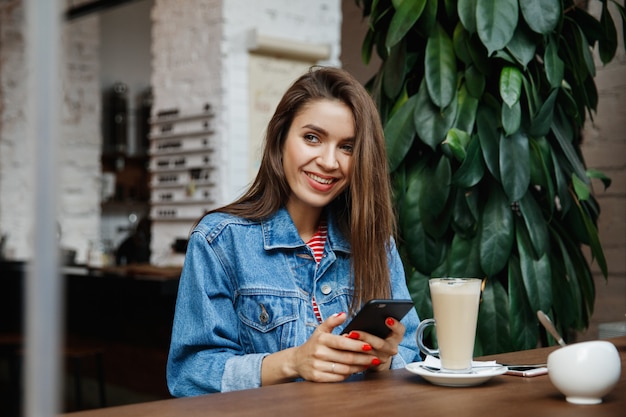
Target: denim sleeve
[(205, 355), (407, 350)]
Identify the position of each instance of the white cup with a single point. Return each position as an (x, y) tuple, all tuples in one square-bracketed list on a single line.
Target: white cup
[(455, 310), (585, 372)]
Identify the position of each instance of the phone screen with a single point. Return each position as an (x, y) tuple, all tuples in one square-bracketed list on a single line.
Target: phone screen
[(371, 318)]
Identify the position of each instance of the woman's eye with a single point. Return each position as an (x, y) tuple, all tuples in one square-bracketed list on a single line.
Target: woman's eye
[(311, 138), (348, 148)]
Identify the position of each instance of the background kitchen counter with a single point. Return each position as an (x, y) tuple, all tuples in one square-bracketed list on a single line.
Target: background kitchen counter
[(127, 311)]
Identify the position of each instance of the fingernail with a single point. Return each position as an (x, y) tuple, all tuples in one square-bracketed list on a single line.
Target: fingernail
[(375, 361), (354, 335), (390, 321), (367, 347), (339, 314)]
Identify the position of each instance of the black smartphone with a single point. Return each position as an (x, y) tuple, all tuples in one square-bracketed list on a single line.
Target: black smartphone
[(371, 318), (527, 370)]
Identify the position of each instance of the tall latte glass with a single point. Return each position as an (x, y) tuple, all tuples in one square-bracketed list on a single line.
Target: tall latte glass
[(455, 310)]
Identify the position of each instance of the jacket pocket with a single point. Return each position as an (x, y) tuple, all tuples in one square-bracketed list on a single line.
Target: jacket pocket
[(268, 321)]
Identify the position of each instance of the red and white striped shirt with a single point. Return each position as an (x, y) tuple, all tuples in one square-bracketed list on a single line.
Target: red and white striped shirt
[(316, 243)]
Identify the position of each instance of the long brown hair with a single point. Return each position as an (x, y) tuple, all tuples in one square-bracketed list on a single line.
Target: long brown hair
[(364, 210)]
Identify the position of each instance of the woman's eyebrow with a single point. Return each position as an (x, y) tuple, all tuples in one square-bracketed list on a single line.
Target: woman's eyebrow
[(316, 128), (323, 131)]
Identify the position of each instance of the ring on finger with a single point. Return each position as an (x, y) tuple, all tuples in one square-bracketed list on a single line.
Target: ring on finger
[(332, 368)]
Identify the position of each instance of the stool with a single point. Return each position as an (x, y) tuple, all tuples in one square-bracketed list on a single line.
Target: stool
[(74, 351), (10, 344)]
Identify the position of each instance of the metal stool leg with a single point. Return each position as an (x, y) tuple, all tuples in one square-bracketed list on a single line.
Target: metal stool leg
[(100, 375), (78, 400)]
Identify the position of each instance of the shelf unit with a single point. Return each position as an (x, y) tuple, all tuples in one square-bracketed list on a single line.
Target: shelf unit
[(182, 162)]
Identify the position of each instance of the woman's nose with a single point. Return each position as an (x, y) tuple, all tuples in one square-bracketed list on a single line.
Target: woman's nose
[(328, 159)]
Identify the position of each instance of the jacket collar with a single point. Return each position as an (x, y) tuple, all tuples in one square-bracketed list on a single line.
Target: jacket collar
[(280, 232)]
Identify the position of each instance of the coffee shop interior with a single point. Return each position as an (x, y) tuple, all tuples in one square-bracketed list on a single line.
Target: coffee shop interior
[(163, 105)]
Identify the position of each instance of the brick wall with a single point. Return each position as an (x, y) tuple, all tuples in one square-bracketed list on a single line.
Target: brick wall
[(79, 156)]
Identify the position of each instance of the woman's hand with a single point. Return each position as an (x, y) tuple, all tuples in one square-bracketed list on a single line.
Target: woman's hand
[(325, 357), (328, 357), (383, 349)]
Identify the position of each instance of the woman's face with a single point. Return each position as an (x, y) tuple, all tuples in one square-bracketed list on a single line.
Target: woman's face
[(317, 155)]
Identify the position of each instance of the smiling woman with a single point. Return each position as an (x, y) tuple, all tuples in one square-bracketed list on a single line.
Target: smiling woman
[(317, 159), (269, 278)]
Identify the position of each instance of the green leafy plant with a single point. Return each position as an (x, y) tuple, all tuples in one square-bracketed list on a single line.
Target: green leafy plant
[(483, 102)]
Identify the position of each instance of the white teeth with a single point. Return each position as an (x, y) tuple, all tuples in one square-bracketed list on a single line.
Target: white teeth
[(320, 179)]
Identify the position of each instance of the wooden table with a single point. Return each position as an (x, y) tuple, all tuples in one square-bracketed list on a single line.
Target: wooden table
[(394, 393)]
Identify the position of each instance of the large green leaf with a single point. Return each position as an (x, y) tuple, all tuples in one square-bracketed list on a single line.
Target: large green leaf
[(431, 124), (589, 24), (489, 137), (540, 124), (440, 68), (496, 22), (479, 54), (467, 14), (535, 224), (537, 277), (457, 141), (580, 188), (594, 173), (427, 22), (466, 110), (542, 16), (493, 319), (463, 259), (403, 20), (541, 174), (522, 45), (608, 44), (472, 169), (463, 219), (475, 81), (594, 240), (562, 188), (569, 307), (578, 275), (460, 38), (511, 118), (553, 63), (420, 293), (368, 45), (515, 165), (581, 57), (564, 139), (521, 317), (510, 85), (435, 189), (393, 70), (424, 252), (497, 232), (400, 133)]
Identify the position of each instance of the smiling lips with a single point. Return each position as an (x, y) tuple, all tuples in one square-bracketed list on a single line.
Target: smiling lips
[(320, 183)]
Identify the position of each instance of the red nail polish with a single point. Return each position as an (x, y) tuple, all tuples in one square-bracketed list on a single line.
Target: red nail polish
[(390, 321), (375, 361), (354, 335), (367, 347)]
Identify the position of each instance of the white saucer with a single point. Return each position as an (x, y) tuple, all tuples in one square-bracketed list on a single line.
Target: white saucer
[(477, 377)]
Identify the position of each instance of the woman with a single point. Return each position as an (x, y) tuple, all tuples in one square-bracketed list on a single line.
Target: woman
[(270, 280)]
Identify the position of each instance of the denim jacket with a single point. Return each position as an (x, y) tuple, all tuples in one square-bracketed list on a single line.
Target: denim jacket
[(246, 291)]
